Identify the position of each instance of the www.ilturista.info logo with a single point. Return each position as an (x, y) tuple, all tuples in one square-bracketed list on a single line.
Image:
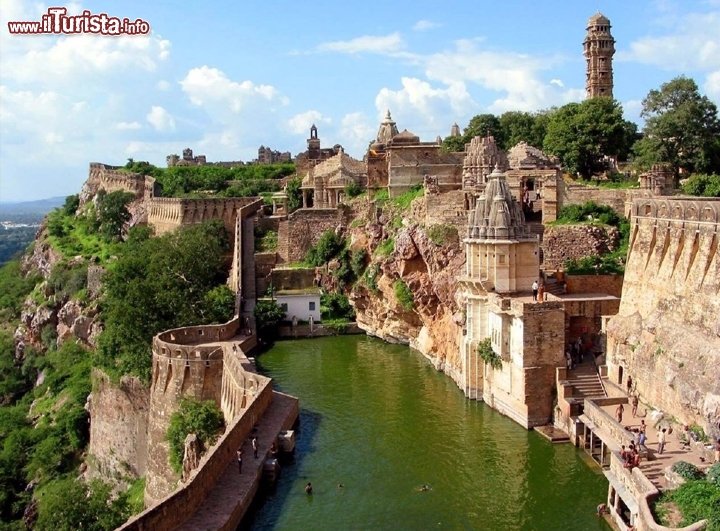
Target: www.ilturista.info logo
[(57, 21)]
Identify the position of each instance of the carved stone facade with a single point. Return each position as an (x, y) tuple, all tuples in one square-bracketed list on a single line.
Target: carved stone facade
[(271, 156), (660, 180), (324, 184), (599, 48)]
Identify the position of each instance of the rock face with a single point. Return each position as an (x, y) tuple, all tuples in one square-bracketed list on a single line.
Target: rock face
[(191, 455), (570, 242), (667, 333), (430, 270)]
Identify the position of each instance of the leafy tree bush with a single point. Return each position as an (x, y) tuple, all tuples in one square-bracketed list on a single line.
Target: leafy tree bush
[(267, 317), (72, 203), (697, 500), (403, 294), (488, 355), (334, 306), (67, 280), (157, 284), (370, 277), (358, 262), (14, 287), (325, 250), (219, 304), (344, 273), (113, 213), (204, 419), (702, 185), (352, 189), (686, 470), (713, 474), (294, 194)]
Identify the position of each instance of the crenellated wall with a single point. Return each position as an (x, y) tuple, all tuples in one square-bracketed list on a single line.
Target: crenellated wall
[(667, 333), (169, 213)]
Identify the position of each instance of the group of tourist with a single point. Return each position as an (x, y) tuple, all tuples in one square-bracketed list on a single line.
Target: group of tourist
[(256, 447), (630, 456), (574, 354)]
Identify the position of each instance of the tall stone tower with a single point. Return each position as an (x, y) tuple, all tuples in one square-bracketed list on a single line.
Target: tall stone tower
[(599, 48)]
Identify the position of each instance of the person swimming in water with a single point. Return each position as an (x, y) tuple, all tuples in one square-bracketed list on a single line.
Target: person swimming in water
[(424, 488), (308, 488)]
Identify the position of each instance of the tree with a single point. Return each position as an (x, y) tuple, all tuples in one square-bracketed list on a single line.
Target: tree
[(484, 125), (113, 213), (267, 316), (702, 185), (517, 127), (204, 419), (581, 134), (294, 194), (681, 128), (453, 144)]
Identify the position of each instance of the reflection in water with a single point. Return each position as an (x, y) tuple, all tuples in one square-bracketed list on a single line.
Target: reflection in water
[(379, 420)]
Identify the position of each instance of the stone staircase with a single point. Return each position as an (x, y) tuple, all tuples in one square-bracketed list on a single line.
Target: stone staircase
[(536, 228), (554, 287), (585, 381)]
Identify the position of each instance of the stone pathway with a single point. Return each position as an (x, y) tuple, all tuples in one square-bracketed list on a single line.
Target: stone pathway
[(233, 493), (654, 467)]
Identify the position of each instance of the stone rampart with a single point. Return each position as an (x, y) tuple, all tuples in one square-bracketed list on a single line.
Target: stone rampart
[(179, 505), (169, 213), (303, 229), (447, 208), (667, 333), (610, 284), (112, 179)]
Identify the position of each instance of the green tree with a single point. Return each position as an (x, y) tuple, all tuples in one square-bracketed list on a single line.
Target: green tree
[(294, 194), (219, 304), (518, 127), (113, 213), (267, 316), (484, 125), (580, 134), (204, 419), (702, 185), (681, 128), (453, 144)]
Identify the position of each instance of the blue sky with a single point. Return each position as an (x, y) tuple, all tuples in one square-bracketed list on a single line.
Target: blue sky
[(225, 77)]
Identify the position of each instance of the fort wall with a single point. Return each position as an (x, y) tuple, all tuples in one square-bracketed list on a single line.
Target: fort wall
[(303, 229), (168, 213), (667, 333), (577, 194)]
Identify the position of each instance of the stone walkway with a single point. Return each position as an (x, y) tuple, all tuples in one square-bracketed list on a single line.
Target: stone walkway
[(233, 493), (654, 467)]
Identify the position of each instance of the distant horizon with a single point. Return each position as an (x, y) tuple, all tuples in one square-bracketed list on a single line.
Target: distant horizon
[(226, 80)]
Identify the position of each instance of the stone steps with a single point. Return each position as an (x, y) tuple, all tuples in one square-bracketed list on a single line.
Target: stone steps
[(585, 381)]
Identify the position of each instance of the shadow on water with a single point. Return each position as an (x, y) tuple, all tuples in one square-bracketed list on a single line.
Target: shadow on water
[(270, 500)]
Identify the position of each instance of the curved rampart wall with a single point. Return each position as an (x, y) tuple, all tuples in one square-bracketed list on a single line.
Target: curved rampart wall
[(667, 332), (189, 362), (179, 505), (111, 179)]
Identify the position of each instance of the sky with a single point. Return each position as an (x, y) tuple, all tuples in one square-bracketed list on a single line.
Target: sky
[(224, 77)]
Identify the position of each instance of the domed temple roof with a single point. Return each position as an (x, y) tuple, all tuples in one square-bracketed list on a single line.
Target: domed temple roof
[(598, 18), (498, 215), (406, 137), (387, 129)]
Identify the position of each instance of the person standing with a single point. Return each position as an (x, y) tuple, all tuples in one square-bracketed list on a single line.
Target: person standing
[(255, 446), (239, 460), (535, 287), (629, 384), (661, 441), (635, 402), (308, 488), (619, 413)]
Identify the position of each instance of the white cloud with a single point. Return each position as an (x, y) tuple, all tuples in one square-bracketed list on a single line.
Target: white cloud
[(126, 126), (356, 133), (210, 87), (557, 82), (693, 43), (434, 105), (366, 43), (712, 85), (160, 119), (300, 123), (423, 25), (163, 85)]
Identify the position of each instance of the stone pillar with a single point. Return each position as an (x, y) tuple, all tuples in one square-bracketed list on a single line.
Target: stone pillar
[(305, 198)]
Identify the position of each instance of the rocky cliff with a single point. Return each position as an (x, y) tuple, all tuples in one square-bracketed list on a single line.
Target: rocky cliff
[(428, 260)]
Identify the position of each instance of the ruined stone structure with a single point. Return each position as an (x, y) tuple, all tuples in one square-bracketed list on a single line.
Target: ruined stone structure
[(270, 156), (667, 333), (324, 184), (599, 48), (303, 228), (659, 180), (314, 154)]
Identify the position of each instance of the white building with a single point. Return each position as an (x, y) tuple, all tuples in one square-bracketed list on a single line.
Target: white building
[(301, 304)]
